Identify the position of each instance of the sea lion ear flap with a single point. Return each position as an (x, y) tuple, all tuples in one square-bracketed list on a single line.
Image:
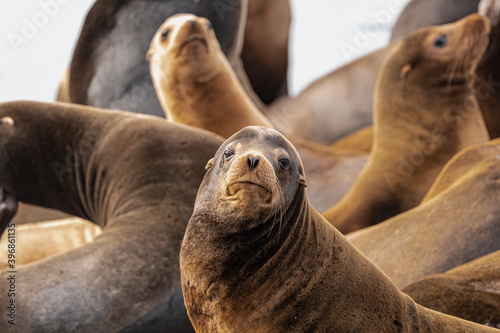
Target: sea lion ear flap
[(210, 164), (149, 54), (302, 181), (405, 71)]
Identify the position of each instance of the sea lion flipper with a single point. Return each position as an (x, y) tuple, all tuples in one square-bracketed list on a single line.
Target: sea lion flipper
[(8, 208)]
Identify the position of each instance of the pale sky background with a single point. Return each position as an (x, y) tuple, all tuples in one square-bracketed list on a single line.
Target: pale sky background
[(32, 69)]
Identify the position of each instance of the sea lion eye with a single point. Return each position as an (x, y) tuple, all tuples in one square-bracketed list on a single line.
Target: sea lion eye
[(284, 163), (440, 41), (164, 34), (228, 154)]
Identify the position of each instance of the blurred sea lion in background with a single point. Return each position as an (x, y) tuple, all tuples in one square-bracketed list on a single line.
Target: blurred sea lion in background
[(458, 221), (340, 102), (470, 291), (425, 112), (99, 77), (135, 176)]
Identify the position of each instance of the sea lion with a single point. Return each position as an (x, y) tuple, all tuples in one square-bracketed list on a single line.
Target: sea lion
[(341, 101), (422, 13), (197, 87), (133, 175), (186, 63), (458, 221), (36, 241), (98, 77), (470, 291), (126, 27), (425, 112), (486, 84), (257, 257)]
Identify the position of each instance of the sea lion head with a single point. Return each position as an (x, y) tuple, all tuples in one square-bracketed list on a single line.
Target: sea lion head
[(445, 55), (253, 177), (186, 48)]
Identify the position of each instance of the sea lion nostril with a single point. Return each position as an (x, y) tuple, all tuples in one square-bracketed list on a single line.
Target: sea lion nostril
[(252, 162), (193, 23)]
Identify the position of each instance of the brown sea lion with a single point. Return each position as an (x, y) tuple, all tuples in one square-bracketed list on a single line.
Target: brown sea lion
[(470, 291), (36, 241), (186, 63), (256, 257), (340, 102), (197, 87), (425, 112), (98, 77), (133, 175), (458, 221)]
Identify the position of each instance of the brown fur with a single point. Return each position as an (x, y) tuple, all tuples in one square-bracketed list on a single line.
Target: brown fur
[(249, 273), (134, 176), (458, 221), (422, 118), (470, 291), (265, 47)]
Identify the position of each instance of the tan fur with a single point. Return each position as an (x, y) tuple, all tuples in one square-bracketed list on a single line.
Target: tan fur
[(37, 241), (458, 221), (360, 140), (178, 82), (417, 129)]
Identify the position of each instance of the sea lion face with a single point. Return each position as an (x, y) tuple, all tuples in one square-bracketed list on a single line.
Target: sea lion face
[(253, 177), (444, 55), (185, 46)]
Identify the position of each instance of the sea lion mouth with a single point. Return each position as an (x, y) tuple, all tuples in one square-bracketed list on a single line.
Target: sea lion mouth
[(193, 39), (250, 187)]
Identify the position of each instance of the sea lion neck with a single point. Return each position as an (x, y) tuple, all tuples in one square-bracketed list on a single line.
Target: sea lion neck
[(50, 126)]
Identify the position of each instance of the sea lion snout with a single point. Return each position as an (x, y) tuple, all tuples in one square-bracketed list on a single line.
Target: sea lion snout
[(252, 174), (7, 121), (253, 161)]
